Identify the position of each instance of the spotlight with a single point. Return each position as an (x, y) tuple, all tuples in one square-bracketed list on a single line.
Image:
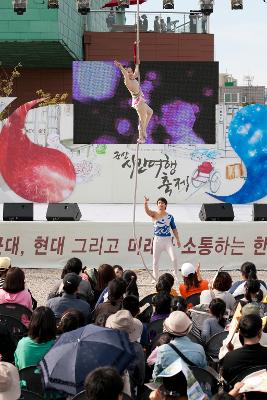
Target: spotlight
[(237, 4), (83, 6), (19, 6), (53, 4), (168, 4), (206, 6), (124, 3)]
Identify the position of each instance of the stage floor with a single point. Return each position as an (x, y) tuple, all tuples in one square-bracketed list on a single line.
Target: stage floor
[(124, 212)]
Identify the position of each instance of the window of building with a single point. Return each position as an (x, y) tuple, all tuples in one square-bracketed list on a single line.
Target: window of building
[(231, 97)]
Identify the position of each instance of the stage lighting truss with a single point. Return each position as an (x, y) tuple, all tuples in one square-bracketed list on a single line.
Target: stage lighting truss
[(206, 6), (53, 3), (168, 4), (83, 6), (237, 4), (20, 6), (124, 3)]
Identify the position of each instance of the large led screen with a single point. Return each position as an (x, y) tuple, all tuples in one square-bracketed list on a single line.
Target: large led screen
[(182, 95)]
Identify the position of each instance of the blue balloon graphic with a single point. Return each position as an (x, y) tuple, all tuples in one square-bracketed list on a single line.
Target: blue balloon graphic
[(248, 137)]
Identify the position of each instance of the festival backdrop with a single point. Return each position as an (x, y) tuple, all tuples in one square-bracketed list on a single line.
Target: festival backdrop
[(40, 163), (183, 96)]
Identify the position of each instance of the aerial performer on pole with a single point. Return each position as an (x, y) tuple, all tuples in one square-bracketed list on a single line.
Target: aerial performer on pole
[(138, 100)]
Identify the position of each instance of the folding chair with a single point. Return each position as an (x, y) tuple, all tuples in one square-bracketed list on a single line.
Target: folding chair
[(154, 329), (194, 338), (194, 299), (23, 314), (33, 378), (215, 343), (80, 396), (147, 299), (27, 395), (146, 315), (207, 378), (239, 297), (16, 328)]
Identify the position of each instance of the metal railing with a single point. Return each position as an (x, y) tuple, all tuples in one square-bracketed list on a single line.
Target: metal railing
[(162, 22)]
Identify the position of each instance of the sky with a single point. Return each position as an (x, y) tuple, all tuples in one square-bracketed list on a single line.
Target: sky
[(240, 36)]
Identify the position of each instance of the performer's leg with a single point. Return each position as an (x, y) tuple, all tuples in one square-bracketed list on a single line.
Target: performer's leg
[(148, 115), (157, 249), (142, 114), (170, 249)]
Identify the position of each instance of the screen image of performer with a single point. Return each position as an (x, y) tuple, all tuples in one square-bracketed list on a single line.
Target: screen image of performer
[(138, 101), (163, 224)]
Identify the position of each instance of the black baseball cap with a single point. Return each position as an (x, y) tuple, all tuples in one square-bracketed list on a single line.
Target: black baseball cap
[(71, 280)]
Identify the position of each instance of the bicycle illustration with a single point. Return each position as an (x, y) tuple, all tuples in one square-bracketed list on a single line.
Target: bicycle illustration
[(205, 173)]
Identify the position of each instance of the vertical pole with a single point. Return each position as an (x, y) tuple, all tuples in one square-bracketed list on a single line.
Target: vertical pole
[(138, 31)]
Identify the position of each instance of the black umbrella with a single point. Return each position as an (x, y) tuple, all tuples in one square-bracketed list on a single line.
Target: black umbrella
[(79, 352)]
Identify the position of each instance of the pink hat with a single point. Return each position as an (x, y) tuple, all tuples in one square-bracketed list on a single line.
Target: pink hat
[(124, 321), (177, 324), (9, 382), (187, 269)]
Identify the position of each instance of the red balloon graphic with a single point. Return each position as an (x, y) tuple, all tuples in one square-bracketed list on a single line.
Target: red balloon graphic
[(38, 174)]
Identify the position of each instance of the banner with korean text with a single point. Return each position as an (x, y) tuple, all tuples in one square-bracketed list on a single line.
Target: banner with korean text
[(50, 244)]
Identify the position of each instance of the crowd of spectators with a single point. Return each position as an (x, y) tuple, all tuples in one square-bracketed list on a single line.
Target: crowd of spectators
[(175, 334)]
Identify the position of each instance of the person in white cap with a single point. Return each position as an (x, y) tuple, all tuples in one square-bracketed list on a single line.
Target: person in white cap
[(9, 382), (5, 264), (163, 224), (178, 325), (193, 282)]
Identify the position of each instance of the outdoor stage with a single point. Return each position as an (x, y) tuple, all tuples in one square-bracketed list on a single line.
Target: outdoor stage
[(104, 235)]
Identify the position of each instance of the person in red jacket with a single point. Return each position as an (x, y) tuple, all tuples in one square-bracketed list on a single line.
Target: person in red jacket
[(193, 282)]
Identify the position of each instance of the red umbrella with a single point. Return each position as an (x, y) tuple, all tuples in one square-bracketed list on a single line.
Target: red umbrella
[(115, 3)]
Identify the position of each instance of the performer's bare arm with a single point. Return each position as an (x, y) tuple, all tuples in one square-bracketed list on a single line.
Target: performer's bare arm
[(123, 70), (149, 212), (176, 235), (136, 71)]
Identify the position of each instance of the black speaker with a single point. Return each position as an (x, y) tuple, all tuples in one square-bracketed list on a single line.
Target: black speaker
[(216, 212), (63, 212), (259, 212), (18, 212)]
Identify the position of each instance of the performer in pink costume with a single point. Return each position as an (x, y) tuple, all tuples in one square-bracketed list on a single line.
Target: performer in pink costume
[(138, 101)]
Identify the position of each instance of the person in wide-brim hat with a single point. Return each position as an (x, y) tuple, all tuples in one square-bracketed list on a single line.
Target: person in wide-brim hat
[(9, 382), (123, 321), (178, 325)]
